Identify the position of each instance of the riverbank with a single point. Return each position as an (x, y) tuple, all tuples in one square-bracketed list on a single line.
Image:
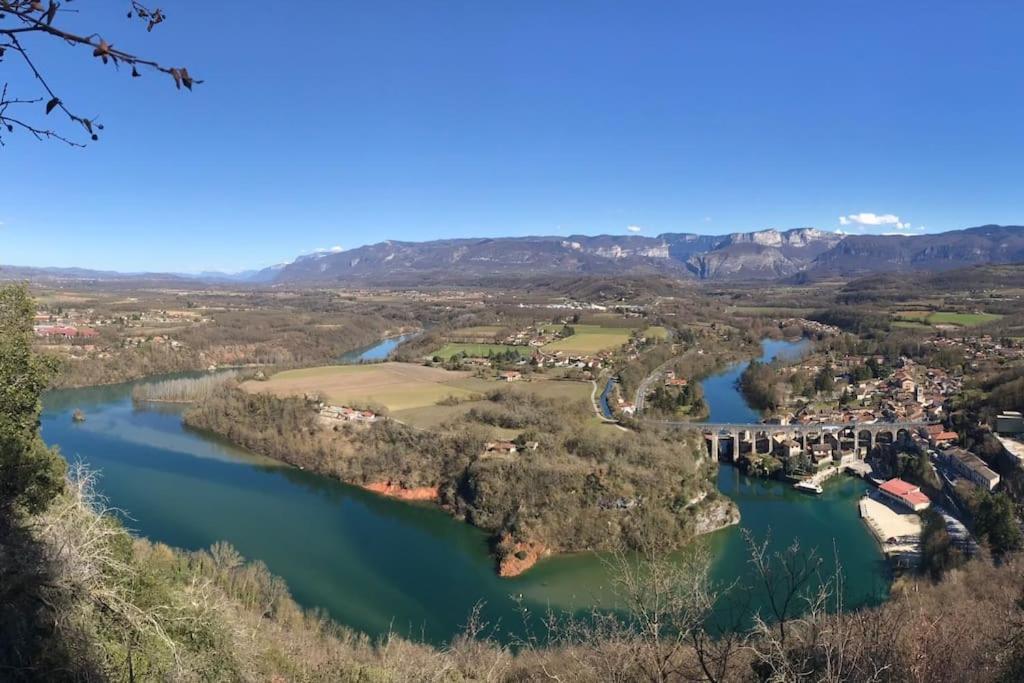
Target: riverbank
[(391, 489), (897, 533), (374, 562), (561, 495)]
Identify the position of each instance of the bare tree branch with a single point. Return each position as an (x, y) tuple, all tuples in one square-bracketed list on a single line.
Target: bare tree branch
[(20, 18)]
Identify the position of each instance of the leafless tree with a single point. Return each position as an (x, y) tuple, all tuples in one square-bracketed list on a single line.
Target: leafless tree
[(23, 20), (658, 627)]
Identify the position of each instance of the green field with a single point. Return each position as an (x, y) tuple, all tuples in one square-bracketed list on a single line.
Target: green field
[(962, 319), (479, 350), (590, 339), (919, 318)]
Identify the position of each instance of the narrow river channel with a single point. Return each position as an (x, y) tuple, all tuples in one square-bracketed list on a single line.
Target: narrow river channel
[(376, 564)]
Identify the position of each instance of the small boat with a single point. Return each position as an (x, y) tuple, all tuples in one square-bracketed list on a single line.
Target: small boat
[(78, 416), (808, 487)]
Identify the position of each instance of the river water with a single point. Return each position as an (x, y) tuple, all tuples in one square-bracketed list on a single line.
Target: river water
[(378, 564)]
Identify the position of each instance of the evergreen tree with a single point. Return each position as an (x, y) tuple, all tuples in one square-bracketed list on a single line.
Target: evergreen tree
[(30, 473)]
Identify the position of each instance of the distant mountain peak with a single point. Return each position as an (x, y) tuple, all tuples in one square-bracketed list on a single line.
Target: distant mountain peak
[(756, 255)]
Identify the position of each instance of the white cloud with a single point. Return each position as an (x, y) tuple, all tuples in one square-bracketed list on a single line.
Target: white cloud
[(634, 228), (871, 220), (328, 250)]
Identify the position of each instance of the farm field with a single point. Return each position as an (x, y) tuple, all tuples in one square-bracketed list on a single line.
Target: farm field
[(396, 386), (781, 311), (962, 319), (656, 332), (476, 332), (479, 350), (591, 339), (431, 416), (921, 318)]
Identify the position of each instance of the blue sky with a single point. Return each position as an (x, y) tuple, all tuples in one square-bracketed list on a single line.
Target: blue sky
[(343, 123)]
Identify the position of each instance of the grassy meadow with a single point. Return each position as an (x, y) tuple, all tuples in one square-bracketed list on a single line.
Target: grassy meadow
[(922, 319), (479, 350), (591, 339), (396, 386)]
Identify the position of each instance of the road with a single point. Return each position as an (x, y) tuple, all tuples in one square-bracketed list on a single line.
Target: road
[(641, 391)]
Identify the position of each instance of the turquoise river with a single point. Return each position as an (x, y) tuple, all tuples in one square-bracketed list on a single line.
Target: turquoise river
[(379, 565)]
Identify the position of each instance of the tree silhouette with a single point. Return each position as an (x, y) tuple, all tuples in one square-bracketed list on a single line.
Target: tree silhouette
[(20, 19)]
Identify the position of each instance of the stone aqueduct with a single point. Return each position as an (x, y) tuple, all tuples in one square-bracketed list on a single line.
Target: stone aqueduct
[(848, 437)]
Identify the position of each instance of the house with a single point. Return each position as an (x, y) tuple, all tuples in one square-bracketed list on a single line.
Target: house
[(905, 493), (511, 376), (942, 438), (500, 447), (676, 382), (789, 448), (903, 381), (347, 414), (821, 451), (970, 466)]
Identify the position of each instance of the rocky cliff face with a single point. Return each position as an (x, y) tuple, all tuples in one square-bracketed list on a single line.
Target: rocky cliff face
[(762, 254), (804, 253)]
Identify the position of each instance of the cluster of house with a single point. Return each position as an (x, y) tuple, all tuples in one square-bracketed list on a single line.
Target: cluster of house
[(568, 304), (674, 382), (964, 463), (913, 393), (167, 317), (156, 340), (534, 336), (811, 326), (332, 414), (788, 447), (635, 346), (560, 359), (980, 348), (66, 332)]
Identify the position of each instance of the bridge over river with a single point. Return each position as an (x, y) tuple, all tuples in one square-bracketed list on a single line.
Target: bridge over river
[(848, 436)]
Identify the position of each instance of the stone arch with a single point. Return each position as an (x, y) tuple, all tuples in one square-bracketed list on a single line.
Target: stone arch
[(834, 439), (865, 439)]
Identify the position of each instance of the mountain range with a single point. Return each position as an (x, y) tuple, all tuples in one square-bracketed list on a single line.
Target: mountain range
[(800, 254)]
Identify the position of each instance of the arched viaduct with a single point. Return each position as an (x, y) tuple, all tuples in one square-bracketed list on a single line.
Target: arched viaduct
[(848, 437)]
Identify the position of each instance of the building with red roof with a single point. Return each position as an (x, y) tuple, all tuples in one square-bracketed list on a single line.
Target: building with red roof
[(905, 493)]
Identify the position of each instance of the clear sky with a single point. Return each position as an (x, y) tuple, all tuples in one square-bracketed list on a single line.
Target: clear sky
[(336, 123)]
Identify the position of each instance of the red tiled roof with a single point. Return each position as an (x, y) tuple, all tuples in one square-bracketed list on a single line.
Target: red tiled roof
[(904, 490), (898, 487)]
